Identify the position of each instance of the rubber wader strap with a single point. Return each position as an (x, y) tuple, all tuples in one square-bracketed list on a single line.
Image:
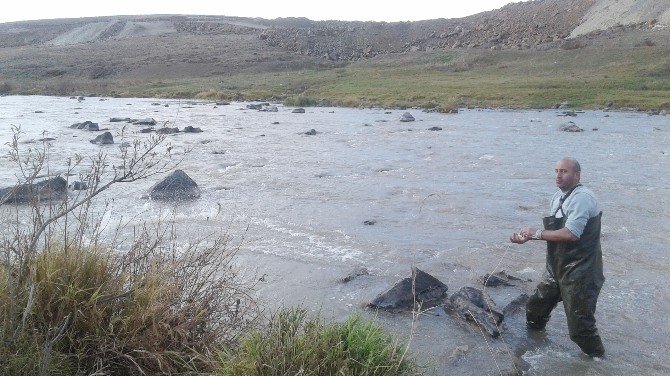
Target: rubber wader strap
[(562, 200)]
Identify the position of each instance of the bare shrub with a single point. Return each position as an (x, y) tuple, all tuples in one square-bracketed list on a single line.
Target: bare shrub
[(71, 302)]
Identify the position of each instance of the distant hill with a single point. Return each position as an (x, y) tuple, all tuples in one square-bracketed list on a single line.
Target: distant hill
[(104, 54)]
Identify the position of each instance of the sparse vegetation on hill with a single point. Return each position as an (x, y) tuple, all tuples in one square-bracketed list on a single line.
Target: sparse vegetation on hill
[(517, 56)]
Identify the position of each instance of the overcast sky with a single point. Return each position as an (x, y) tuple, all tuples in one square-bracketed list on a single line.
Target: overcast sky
[(359, 10)]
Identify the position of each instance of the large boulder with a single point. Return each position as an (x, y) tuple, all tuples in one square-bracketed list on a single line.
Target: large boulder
[(472, 304), (177, 186), (103, 139), (50, 189), (420, 288)]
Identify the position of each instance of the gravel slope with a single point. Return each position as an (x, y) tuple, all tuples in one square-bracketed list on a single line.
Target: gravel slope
[(608, 13)]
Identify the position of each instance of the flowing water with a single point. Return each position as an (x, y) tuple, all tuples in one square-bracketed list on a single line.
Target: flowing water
[(445, 201)]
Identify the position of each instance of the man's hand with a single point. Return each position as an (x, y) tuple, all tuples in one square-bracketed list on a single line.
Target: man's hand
[(518, 238)]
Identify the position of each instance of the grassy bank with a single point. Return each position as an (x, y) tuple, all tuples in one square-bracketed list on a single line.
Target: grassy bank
[(627, 76)]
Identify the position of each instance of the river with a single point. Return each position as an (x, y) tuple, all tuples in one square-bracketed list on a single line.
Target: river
[(445, 201)]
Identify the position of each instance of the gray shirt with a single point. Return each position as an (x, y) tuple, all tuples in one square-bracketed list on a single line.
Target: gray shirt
[(579, 207)]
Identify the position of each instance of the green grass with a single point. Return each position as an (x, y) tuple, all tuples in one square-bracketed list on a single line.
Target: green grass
[(586, 77), (294, 343)]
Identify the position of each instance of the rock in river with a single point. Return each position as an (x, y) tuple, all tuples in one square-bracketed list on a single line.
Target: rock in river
[(55, 188), (177, 186), (104, 139), (429, 292), (474, 305)]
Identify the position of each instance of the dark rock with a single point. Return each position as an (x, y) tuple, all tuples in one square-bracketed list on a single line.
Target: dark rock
[(147, 130), (369, 222), (609, 104), (570, 127), (78, 186), (499, 279), (298, 110), (39, 112), (568, 113), (275, 122), (167, 130), (565, 104), (429, 293), (516, 305), (355, 273), (87, 125), (222, 103), (104, 139), (190, 129), (146, 121), (46, 139), (311, 132), (269, 109), (120, 120), (434, 129), (50, 189), (177, 186), (406, 117), (254, 106), (474, 305)]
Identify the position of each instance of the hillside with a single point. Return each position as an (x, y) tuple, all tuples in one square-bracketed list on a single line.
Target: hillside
[(217, 56)]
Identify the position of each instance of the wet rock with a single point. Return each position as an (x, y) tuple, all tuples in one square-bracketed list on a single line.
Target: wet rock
[(147, 130), (87, 125), (269, 109), (275, 122), (146, 121), (222, 103), (298, 110), (570, 127), (609, 104), (104, 139), (429, 292), (369, 222), (255, 106), (120, 120), (516, 305), (167, 130), (311, 132), (564, 104), (78, 186), (472, 304), (434, 129), (39, 112), (568, 113), (46, 139), (499, 279), (50, 189), (190, 129), (406, 117), (355, 273), (177, 186)]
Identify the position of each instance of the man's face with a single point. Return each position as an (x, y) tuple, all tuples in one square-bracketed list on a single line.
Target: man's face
[(566, 176)]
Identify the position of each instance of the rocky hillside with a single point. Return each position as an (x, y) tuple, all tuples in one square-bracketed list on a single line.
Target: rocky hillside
[(525, 25)]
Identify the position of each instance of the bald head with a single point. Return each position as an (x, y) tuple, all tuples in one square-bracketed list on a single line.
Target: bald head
[(568, 173)]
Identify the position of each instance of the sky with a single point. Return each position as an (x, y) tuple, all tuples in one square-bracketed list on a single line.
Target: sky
[(345, 10)]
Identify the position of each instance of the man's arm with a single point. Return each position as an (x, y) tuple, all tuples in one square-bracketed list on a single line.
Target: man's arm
[(562, 236)]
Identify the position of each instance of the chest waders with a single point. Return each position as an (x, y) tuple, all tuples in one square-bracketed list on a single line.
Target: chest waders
[(574, 274)]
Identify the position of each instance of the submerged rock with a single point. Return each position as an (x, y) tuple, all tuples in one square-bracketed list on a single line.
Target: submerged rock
[(120, 120), (406, 117), (311, 132), (104, 139), (498, 279), (474, 305), (50, 189), (570, 127), (420, 288), (298, 110), (177, 186), (167, 130), (146, 121), (190, 129), (355, 273)]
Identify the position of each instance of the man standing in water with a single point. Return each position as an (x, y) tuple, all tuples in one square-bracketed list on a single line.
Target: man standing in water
[(574, 270)]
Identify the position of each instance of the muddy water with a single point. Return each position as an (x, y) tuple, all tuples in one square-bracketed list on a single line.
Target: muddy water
[(445, 201)]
